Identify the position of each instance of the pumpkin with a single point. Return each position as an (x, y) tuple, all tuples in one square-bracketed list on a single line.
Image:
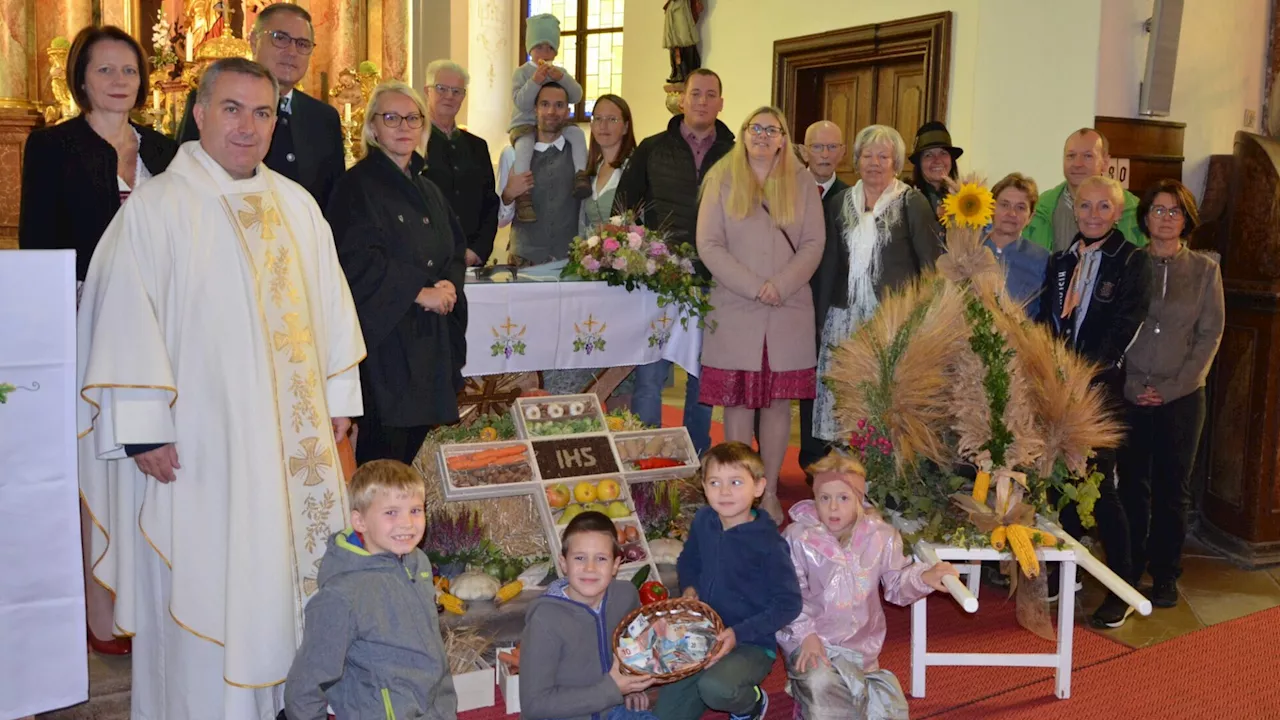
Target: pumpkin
[(665, 550), (475, 585)]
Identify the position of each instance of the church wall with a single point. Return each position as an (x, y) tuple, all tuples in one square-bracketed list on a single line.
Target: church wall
[(1220, 72), (1023, 72)]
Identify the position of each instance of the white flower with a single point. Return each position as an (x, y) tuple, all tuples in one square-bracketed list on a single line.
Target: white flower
[(650, 266), (576, 409), (593, 241), (555, 411), (615, 220), (533, 412)]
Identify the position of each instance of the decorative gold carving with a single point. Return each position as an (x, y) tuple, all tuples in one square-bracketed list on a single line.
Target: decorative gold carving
[(309, 463), (304, 410), (66, 107), (261, 214), (295, 336), (354, 88)]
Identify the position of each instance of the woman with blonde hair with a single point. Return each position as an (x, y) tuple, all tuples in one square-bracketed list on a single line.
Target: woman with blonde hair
[(760, 233), (403, 252)]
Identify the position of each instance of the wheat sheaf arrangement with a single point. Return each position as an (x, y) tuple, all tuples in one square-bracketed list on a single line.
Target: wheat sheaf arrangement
[(951, 372)]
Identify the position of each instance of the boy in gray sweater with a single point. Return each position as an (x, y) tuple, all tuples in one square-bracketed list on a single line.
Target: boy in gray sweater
[(567, 667), (372, 644)]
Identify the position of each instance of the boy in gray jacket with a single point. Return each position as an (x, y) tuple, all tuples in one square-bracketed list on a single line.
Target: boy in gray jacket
[(372, 644), (567, 667)]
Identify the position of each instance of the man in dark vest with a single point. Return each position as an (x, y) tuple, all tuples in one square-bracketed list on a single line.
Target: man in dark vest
[(551, 177), (458, 162), (306, 145), (661, 184)]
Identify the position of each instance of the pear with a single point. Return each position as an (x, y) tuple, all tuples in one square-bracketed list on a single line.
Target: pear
[(570, 513), (618, 509)]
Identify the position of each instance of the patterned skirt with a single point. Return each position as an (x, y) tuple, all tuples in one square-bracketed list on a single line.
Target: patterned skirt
[(755, 389)]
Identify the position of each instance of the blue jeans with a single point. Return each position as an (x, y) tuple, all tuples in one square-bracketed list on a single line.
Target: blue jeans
[(622, 713), (646, 402)]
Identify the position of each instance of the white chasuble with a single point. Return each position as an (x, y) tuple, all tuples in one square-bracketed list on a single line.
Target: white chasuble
[(216, 316)]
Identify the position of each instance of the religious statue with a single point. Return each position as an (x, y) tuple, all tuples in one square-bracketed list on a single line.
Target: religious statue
[(680, 37), (205, 20)]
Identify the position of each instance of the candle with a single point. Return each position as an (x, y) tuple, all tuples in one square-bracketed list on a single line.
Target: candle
[(346, 112), (190, 47), (155, 100)]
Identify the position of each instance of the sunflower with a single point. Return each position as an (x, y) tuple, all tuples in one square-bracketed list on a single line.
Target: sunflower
[(971, 206)]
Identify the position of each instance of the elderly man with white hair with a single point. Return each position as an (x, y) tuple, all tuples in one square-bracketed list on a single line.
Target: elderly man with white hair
[(880, 237), (458, 162)]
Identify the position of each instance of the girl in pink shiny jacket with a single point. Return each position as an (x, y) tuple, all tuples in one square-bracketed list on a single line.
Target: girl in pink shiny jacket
[(844, 552)]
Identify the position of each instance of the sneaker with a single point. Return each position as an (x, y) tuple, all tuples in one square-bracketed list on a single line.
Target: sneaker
[(1054, 584), (1163, 593), (757, 712), (581, 185), (1112, 613)]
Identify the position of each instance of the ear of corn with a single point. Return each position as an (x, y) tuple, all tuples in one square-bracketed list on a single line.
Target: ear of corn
[(1043, 539), (981, 486), (1025, 552), (451, 603), (442, 584), (998, 537), (508, 591)]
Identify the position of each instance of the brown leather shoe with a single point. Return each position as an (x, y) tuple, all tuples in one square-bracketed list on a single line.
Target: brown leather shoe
[(114, 646), (524, 209)]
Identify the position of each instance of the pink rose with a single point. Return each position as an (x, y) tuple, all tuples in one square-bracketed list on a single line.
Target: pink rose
[(637, 229), (634, 241), (611, 245), (619, 263), (658, 249), (590, 264)]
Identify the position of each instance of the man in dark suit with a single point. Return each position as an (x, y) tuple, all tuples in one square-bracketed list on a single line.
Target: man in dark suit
[(458, 162), (306, 145), (823, 150)]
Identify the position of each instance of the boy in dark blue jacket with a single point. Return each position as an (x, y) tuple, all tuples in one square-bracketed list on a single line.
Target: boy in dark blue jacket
[(737, 562)]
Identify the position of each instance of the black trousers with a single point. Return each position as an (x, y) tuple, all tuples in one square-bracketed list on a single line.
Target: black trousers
[(812, 449), (1155, 481), (379, 442), (1109, 513)]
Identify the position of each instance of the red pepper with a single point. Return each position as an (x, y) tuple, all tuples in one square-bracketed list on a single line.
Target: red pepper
[(652, 591), (655, 463)]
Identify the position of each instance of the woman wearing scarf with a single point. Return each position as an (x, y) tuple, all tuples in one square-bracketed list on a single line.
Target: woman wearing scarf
[(1095, 299), (881, 234)]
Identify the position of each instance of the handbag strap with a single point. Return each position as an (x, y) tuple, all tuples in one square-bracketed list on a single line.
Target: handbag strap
[(784, 230)]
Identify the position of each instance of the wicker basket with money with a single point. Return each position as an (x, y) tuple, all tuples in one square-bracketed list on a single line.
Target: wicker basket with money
[(669, 640)]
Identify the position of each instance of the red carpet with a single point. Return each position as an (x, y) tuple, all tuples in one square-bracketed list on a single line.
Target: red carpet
[(1228, 670)]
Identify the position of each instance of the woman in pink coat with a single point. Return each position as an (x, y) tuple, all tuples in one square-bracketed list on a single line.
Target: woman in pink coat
[(844, 553), (760, 233)]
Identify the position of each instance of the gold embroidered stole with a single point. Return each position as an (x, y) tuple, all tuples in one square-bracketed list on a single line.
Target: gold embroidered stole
[(315, 489)]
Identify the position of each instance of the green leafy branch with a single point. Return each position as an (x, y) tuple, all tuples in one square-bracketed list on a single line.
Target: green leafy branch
[(991, 348)]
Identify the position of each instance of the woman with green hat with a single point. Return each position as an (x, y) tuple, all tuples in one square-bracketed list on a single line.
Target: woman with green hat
[(934, 163)]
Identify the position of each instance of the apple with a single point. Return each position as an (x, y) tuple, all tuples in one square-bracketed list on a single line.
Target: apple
[(570, 513), (584, 492), (608, 490), (558, 495), (618, 509)]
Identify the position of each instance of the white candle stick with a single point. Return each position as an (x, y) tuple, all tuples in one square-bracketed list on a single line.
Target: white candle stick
[(155, 100), (190, 47), (951, 582), (346, 112)]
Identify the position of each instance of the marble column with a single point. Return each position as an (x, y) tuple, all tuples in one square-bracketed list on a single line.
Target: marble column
[(17, 50), (17, 115), (395, 39), (340, 40), (56, 18)]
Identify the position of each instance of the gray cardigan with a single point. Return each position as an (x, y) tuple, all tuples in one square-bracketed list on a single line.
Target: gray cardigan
[(1179, 339), (566, 653)]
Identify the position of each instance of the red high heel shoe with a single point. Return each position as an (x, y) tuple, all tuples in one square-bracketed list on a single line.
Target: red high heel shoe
[(114, 646)]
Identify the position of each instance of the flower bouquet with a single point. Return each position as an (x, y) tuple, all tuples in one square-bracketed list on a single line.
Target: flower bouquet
[(621, 252)]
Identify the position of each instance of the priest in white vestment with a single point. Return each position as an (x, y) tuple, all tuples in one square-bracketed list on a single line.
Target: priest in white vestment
[(218, 353)]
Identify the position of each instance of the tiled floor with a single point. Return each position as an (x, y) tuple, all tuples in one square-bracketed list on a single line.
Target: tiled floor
[(1212, 589)]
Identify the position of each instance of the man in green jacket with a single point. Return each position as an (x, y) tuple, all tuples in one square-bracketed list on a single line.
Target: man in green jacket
[(1053, 226)]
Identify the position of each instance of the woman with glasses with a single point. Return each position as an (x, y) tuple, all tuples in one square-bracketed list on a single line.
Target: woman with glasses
[(760, 233), (402, 250), (1164, 387), (883, 235), (612, 142)]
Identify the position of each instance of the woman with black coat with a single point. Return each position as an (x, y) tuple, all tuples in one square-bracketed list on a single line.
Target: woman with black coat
[(403, 252), (76, 175)]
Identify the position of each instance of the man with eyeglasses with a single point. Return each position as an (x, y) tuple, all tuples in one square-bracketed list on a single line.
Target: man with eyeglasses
[(458, 162), (306, 143), (823, 150), (1053, 227)]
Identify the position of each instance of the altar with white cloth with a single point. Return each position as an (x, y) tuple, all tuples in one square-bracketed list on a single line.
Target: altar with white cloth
[(527, 327)]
